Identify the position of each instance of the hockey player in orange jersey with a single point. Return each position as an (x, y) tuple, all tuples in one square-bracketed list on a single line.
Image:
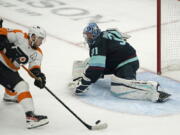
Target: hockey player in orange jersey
[(18, 48)]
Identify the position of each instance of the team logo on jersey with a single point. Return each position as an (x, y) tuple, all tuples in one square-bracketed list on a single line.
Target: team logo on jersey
[(23, 60)]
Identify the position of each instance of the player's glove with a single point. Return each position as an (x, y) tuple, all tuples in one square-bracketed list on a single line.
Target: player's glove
[(82, 85), (41, 82), (41, 78)]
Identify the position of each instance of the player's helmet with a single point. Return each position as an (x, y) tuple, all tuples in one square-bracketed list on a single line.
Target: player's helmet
[(38, 32), (94, 30)]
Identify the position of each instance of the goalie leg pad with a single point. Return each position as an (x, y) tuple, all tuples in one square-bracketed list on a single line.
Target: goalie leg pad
[(78, 70), (79, 67), (133, 89)]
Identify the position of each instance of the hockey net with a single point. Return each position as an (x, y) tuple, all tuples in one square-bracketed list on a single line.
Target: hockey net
[(168, 35)]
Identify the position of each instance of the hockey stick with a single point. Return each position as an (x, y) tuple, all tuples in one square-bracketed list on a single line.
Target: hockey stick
[(98, 125)]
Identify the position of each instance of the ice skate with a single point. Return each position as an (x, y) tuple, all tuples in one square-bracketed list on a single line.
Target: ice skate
[(34, 121), (163, 96), (80, 92)]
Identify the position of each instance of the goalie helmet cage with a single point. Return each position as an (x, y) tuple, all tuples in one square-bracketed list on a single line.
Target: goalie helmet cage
[(168, 35)]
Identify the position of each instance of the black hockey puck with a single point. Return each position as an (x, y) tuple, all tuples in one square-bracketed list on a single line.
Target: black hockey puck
[(97, 122)]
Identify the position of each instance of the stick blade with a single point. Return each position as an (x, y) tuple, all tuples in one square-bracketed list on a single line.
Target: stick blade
[(99, 126)]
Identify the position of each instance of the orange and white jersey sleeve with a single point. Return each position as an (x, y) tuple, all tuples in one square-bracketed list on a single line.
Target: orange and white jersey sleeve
[(35, 59), (12, 37), (19, 39), (16, 37)]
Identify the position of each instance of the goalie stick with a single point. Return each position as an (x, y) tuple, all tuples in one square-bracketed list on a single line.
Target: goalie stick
[(98, 125)]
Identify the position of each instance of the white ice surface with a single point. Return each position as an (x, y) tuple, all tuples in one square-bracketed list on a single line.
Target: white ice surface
[(65, 31)]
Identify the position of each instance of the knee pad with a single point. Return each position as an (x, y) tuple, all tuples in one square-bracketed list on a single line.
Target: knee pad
[(119, 86)]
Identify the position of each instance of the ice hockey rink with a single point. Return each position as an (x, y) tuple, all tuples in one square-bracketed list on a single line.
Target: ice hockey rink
[(64, 21)]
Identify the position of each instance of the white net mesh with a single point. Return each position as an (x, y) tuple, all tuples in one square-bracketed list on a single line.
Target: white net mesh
[(170, 35)]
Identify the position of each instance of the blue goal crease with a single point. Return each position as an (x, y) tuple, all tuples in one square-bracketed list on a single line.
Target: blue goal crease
[(100, 95)]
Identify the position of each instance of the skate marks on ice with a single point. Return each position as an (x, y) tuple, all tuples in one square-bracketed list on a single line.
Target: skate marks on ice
[(100, 95)]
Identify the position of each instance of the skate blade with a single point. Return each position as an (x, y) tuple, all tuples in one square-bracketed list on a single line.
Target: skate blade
[(10, 100), (31, 125), (165, 99)]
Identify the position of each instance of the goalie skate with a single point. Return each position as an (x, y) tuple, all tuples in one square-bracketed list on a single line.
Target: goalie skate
[(163, 96), (34, 121), (81, 92)]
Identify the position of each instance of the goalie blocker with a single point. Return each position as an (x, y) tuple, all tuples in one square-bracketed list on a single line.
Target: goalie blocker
[(122, 88)]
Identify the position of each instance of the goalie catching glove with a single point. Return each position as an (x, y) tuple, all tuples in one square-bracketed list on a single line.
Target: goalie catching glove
[(41, 81), (81, 85)]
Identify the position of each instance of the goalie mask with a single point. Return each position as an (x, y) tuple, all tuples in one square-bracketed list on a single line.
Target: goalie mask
[(36, 36), (91, 32)]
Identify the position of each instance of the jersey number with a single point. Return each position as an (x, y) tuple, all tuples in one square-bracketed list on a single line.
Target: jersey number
[(117, 37), (94, 51)]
